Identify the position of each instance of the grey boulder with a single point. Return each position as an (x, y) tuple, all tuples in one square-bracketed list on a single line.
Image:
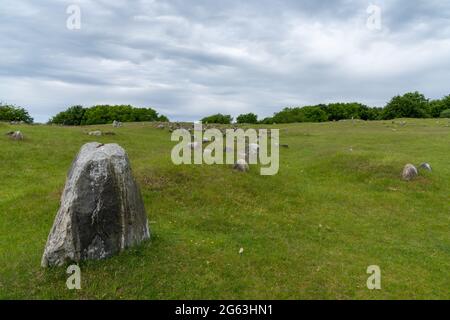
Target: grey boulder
[(409, 172), (426, 166), (241, 165), (101, 212), (15, 135), (96, 133)]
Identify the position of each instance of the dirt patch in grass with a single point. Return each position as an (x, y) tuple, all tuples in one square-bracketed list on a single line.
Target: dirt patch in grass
[(160, 180)]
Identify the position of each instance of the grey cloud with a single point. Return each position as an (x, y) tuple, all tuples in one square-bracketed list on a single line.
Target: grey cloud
[(191, 58)]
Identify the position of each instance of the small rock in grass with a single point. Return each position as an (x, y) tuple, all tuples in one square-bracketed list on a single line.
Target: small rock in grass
[(426, 166), (15, 135), (409, 172), (241, 165), (96, 133)]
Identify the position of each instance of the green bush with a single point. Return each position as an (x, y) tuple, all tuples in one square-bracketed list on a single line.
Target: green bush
[(218, 118), (330, 112), (247, 118), (13, 113), (438, 106), (73, 116), (445, 113), (103, 114), (410, 105), (341, 111), (268, 120)]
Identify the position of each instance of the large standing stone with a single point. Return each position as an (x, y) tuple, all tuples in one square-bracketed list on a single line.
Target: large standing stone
[(101, 212)]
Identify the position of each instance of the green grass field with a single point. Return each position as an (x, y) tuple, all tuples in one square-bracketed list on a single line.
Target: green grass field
[(309, 232)]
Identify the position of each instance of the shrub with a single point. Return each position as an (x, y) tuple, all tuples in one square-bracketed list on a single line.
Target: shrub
[(438, 106), (162, 118), (341, 111), (445, 113), (103, 114), (247, 118), (218, 118), (410, 105), (322, 112), (13, 113), (268, 120), (73, 116)]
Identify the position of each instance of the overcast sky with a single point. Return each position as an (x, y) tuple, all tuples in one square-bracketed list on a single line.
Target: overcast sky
[(191, 58)]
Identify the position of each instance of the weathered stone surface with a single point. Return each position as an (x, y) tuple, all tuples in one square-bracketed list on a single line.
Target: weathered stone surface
[(15, 135), (96, 133), (241, 165), (101, 212), (426, 166), (117, 124), (409, 172)]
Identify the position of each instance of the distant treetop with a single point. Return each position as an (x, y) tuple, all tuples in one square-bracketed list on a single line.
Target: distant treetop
[(218, 118), (103, 114), (13, 113)]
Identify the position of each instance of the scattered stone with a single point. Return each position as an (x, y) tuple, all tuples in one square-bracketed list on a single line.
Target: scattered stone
[(101, 212), (426, 166), (194, 145), (241, 165), (117, 124), (96, 133), (161, 126), (409, 172), (15, 135)]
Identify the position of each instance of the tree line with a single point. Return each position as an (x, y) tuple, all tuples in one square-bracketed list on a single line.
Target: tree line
[(13, 113), (409, 105), (103, 114)]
